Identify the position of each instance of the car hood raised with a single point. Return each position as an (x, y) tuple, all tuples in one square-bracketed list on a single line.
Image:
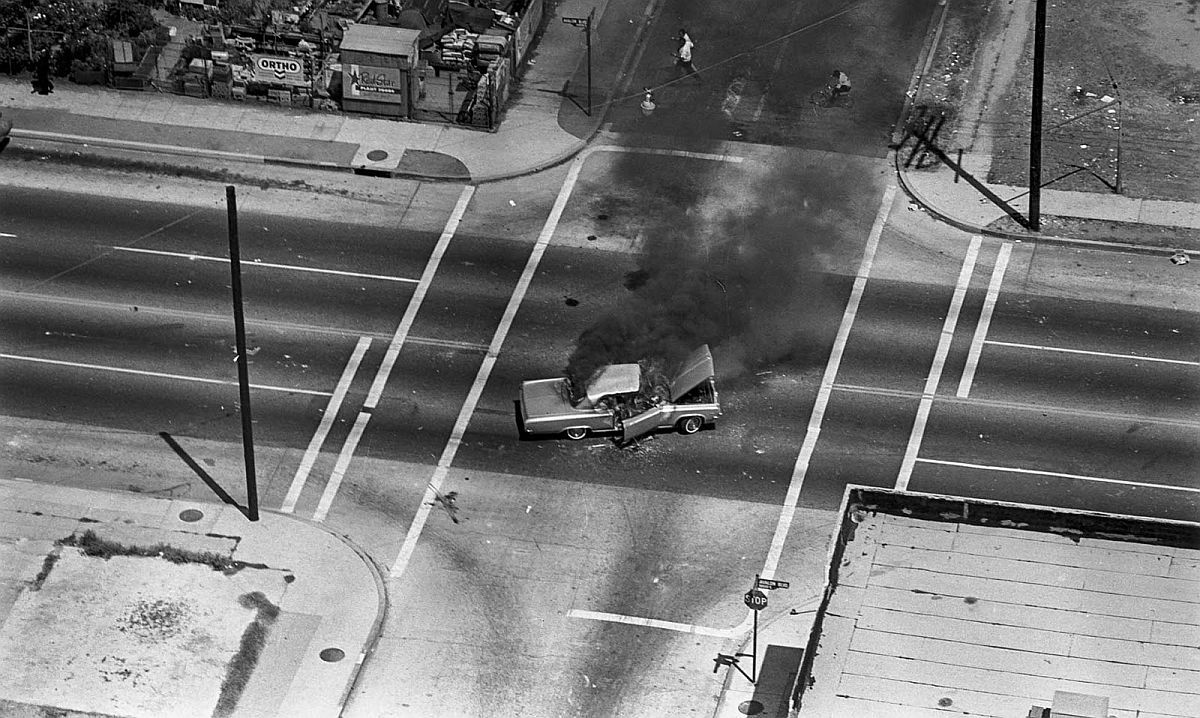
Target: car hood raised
[(693, 371)]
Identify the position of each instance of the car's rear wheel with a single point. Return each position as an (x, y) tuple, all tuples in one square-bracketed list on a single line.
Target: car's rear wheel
[(576, 433), (689, 424)]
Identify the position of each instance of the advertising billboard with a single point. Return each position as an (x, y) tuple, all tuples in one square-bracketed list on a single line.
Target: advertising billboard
[(274, 70), (375, 84)]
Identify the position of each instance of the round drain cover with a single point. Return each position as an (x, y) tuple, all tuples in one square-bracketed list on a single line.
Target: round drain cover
[(191, 515), (377, 155), (750, 708), (332, 655)]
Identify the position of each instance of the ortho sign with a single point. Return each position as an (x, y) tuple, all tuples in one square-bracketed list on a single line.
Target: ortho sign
[(279, 70)]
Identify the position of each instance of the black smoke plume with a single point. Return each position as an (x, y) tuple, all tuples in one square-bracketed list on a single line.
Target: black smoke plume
[(736, 267)]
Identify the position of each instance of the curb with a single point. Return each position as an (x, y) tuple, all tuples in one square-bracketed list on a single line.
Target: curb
[(1032, 237), (381, 604), (134, 145)]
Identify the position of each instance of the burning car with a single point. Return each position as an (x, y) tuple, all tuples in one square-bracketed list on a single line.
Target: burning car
[(624, 399)]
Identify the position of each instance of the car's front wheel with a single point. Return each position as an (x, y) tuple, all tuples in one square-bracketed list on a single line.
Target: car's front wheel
[(576, 433), (689, 424)]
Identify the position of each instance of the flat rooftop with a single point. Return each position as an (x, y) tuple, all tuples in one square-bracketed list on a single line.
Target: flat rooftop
[(937, 611)]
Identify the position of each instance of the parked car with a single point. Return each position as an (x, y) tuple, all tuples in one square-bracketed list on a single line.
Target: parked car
[(616, 402)]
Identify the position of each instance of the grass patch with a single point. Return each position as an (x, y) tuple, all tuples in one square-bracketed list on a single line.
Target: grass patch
[(241, 666), (92, 545)]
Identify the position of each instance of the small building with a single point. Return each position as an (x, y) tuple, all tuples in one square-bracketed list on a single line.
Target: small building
[(378, 64)]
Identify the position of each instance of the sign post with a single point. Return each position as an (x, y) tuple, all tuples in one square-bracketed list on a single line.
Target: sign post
[(757, 601), (586, 24)]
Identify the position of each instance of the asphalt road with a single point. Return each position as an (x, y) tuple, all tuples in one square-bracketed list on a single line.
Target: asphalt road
[(1083, 390)]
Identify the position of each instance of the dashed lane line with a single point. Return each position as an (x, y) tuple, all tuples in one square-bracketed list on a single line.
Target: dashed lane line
[(1020, 406), (1060, 475), (1110, 355), (160, 375), (939, 362), (191, 256), (285, 327)]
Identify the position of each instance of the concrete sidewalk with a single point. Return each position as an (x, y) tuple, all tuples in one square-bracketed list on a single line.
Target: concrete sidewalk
[(530, 137), (136, 634), (956, 201)]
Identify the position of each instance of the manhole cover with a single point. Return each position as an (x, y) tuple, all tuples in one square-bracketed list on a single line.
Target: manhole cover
[(750, 708), (332, 655), (377, 155), (191, 515)]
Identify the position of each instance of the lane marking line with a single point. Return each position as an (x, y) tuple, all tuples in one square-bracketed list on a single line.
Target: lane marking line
[(651, 623), (104, 254), (418, 297), (939, 362), (1110, 355), (287, 327), (1057, 474), (160, 375), (327, 419), (985, 320), (393, 352), (813, 432), (272, 265), (1019, 406), (433, 488)]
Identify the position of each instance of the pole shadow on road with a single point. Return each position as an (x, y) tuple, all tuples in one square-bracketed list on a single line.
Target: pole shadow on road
[(204, 476)]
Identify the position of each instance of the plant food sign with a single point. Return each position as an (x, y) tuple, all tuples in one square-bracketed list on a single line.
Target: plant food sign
[(379, 84), (279, 70)]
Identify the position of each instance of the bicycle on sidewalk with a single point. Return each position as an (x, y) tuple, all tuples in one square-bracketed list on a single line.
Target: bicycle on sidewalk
[(835, 93)]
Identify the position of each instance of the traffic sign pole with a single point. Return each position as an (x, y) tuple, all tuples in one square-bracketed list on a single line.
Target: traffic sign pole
[(586, 22)]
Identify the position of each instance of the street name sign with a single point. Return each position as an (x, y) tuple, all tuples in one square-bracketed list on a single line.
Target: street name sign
[(576, 21), (756, 599), (771, 584)]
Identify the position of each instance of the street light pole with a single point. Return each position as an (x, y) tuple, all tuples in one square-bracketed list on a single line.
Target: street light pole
[(239, 328), (1035, 117)]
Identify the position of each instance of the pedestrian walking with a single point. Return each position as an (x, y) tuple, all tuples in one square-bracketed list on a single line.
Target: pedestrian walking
[(683, 55), (43, 83)]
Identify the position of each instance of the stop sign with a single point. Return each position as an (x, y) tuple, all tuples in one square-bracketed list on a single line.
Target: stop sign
[(756, 599)]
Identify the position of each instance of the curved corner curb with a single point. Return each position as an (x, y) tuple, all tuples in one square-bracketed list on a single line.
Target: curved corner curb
[(376, 572), (557, 159), (1032, 237)]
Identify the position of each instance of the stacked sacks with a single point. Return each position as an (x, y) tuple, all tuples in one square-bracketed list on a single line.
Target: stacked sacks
[(488, 48)]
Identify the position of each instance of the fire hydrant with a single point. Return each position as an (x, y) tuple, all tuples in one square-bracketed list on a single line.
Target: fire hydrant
[(648, 102)]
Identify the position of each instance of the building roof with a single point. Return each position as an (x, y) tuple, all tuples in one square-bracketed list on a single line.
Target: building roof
[(380, 39), (929, 613)]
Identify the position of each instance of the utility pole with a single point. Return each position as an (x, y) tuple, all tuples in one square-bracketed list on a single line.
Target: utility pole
[(239, 328), (587, 31), (1035, 118)]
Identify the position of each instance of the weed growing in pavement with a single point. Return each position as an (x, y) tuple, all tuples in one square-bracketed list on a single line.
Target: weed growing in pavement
[(241, 666), (92, 545)]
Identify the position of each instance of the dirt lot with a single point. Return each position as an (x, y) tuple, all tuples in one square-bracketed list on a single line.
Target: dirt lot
[(1122, 93)]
